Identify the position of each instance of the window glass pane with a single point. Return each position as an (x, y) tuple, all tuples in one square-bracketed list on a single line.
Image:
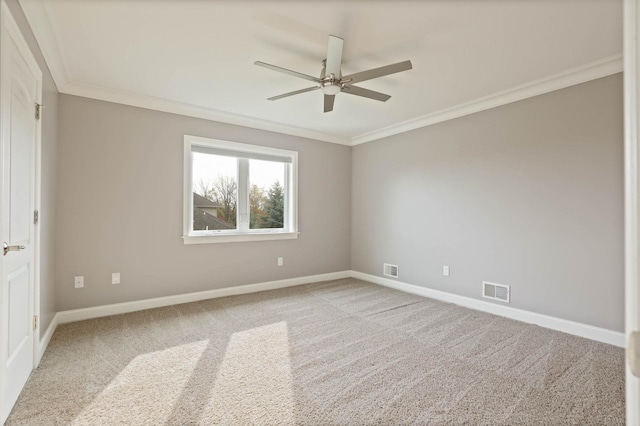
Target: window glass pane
[(215, 192), (266, 194)]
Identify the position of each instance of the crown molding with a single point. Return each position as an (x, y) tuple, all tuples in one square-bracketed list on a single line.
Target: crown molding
[(595, 70), (38, 19), (592, 71), (583, 74), (174, 107)]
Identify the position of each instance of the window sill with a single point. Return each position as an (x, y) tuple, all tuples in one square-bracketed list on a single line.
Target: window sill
[(236, 238)]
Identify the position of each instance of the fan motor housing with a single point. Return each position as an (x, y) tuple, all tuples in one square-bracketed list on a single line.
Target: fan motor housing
[(335, 83), (330, 85)]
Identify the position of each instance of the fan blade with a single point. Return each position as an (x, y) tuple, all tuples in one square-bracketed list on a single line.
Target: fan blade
[(285, 95), (334, 56), (377, 72), (286, 71), (365, 93), (328, 102)]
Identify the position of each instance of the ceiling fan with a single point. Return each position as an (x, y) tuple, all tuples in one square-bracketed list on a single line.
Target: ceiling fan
[(331, 80)]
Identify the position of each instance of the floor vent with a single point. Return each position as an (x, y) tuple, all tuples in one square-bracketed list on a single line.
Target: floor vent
[(390, 270), (496, 291)]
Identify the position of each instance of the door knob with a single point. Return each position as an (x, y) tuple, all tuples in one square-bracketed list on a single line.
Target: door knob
[(6, 248)]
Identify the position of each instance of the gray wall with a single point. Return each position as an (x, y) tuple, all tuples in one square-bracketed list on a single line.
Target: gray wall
[(48, 178), (529, 194), (120, 208)]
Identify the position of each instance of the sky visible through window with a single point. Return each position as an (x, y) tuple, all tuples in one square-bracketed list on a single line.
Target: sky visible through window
[(207, 167)]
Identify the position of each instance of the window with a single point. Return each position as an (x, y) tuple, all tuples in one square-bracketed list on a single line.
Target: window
[(238, 192)]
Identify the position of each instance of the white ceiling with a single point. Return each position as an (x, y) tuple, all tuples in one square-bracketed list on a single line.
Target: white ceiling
[(196, 57)]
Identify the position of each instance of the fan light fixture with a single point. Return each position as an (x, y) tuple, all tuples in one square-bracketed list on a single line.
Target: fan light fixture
[(331, 87), (335, 82)]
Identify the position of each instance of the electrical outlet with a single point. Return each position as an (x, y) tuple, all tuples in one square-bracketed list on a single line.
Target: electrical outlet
[(115, 278), (280, 261), (445, 271), (78, 282)]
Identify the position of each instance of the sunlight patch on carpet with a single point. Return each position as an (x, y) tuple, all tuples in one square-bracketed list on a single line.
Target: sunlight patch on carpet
[(162, 375), (254, 383)]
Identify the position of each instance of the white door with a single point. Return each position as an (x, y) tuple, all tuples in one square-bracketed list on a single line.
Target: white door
[(18, 96), (632, 206)]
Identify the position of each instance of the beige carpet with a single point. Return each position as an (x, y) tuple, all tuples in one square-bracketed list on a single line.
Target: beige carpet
[(336, 353)]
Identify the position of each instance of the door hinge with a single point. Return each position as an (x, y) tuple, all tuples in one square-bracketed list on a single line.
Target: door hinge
[(35, 322), (38, 110), (36, 217)]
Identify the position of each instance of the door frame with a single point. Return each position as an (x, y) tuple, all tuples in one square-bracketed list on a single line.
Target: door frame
[(632, 195), (9, 28)]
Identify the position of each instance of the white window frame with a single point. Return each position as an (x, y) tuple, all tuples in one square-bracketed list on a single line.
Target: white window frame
[(243, 233)]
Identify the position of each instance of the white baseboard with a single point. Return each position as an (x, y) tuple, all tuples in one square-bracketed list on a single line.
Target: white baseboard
[(566, 326), (158, 302), (44, 341), (571, 327)]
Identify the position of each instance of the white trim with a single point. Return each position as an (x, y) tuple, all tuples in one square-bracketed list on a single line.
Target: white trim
[(239, 237), (242, 233), (571, 327), (38, 18), (3, 11), (595, 70), (578, 329), (46, 338), (158, 302), (37, 240), (9, 30), (239, 148), (187, 188), (632, 202), (23, 48), (592, 71), (189, 110)]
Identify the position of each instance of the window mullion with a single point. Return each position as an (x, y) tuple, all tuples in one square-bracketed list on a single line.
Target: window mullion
[(243, 195)]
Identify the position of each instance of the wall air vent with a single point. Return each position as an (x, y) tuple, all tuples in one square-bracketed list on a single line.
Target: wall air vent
[(496, 291), (390, 270)]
